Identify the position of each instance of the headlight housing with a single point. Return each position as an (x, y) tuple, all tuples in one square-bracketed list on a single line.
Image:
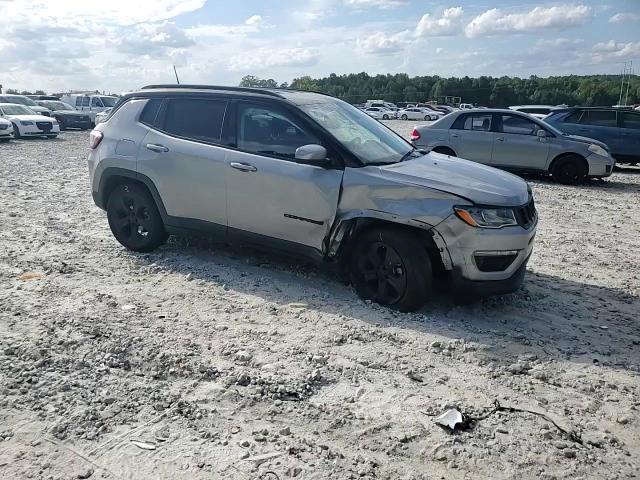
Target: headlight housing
[(598, 150), (26, 122), (487, 217)]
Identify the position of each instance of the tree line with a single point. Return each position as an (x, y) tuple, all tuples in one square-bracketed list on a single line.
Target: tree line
[(588, 90)]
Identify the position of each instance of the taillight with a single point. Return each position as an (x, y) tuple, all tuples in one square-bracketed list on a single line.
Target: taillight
[(95, 137), (415, 135)]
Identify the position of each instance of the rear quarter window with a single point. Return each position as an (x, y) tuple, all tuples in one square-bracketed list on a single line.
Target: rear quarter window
[(195, 118), (150, 112), (631, 120)]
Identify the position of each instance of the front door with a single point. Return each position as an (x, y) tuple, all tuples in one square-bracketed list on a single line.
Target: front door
[(471, 137), (270, 194), (517, 145), (182, 154)]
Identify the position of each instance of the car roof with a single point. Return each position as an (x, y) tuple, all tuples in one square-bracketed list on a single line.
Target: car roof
[(8, 104), (532, 106), (297, 97)]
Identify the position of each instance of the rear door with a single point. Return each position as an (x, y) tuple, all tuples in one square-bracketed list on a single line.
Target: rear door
[(182, 155), (517, 145), (471, 137), (270, 194), (598, 124), (630, 134)]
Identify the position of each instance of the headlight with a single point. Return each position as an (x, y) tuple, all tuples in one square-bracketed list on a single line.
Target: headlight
[(598, 150), (26, 122), (486, 217)]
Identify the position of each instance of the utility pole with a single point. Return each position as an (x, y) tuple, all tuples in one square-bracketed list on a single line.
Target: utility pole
[(626, 96)]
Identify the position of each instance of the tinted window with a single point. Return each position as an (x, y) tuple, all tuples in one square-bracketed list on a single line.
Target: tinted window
[(95, 102), (194, 118), (535, 110), (574, 117), (631, 120), (150, 111), (601, 118), (270, 131), (477, 121), (518, 125)]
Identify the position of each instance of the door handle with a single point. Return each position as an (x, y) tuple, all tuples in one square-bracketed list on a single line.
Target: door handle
[(243, 167), (500, 139), (157, 148), (454, 135)]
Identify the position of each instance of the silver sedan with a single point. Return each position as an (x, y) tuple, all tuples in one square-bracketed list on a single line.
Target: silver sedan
[(515, 141)]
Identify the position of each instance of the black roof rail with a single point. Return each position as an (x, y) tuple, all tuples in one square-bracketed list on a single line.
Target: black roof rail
[(261, 91)]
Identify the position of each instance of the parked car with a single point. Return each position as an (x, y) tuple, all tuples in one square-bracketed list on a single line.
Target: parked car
[(308, 174), (66, 115), (466, 106), (27, 123), (515, 141), (380, 113), (446, 109), (6, 130), (381, 104), (91, 104), (42, 97), (538, 111), (620, 129), (416, 114), (26, 101), (102, 116)]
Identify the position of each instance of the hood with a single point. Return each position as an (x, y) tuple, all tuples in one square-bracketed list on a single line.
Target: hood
[(32, 118), (587, 140), (70, 113), (478, 183), (39, 109)]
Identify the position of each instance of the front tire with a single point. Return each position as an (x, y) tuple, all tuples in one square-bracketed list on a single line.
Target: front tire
[(134, 218), (569, 170), (385, 117), (16, 131), (404, 117), (391, 267)]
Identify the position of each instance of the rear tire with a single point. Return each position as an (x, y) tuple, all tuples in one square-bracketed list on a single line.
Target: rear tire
[(391, 267), (569, 170), (445, 151), (134, 218), (427, 117), (385, 117)]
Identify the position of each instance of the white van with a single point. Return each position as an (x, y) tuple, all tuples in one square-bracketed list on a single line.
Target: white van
[(91, 104)]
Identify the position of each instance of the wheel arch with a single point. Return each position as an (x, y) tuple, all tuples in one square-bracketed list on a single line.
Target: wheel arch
[(348, 230), (562, 155), (444, 147), (113, 176)]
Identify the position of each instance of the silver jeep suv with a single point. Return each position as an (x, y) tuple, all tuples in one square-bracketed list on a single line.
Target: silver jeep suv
[(308, 174)]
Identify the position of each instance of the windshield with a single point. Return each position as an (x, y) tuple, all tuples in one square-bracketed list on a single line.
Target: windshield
[(16, 110), (55, 106), (363, 136), (21, 100), (109, 101)]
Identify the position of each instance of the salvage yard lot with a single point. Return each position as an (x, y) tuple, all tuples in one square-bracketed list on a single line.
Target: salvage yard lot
[(201, 361)]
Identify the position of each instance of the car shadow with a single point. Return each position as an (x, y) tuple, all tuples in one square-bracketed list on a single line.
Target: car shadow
[(549, 317)]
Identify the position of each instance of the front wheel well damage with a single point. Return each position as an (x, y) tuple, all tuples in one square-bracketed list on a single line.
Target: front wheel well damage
[(357, 227)]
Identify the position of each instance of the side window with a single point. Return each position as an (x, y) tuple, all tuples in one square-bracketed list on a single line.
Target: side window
[(195, 118), (85, 101), (78, 101), (269, 130), (631, 120), (600, 118), (96, 102), (477, 121), (518, 125), (148, 115)]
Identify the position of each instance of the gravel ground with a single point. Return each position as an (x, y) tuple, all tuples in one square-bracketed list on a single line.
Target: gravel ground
[(204, 362)]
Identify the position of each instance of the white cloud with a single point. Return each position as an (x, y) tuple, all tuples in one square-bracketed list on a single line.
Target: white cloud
[(625, 17), (448, 24), (384, 4), (153, 39), (495, 21), (381, 43), (265, 58), (251, 25), (613, 52)]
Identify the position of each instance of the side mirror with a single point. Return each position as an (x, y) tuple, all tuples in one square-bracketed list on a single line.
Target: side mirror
[(542, 133), (312, 153)]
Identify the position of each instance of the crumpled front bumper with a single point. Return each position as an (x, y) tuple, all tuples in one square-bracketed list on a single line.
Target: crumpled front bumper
[(463, 243)]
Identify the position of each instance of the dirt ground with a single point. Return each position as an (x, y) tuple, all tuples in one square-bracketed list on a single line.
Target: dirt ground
[(206, 362)]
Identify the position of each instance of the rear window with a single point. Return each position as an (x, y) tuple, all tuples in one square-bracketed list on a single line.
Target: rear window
[(148, 116), (631, 120), (476, 121), (194, 118)]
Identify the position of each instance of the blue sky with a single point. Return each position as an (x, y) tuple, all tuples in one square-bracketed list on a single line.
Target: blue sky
[(119, 45)]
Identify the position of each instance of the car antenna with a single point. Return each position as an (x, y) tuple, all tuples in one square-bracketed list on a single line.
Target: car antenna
[(176, 72)]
